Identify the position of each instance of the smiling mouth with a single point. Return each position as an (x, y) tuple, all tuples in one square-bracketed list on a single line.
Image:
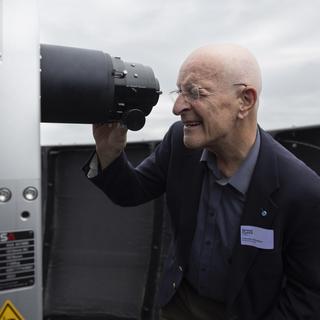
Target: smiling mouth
[(189, 124)]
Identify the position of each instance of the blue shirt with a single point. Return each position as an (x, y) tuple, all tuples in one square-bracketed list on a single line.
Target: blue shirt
[(220, 208)]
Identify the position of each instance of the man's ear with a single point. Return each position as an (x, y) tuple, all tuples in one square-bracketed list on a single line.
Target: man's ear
[(248, 101)]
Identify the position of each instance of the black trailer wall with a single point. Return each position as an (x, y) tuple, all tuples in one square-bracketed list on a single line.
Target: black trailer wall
[(303, 142), (102, 261)]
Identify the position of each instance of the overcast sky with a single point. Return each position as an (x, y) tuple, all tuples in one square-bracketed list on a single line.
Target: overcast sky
[(283, 35)]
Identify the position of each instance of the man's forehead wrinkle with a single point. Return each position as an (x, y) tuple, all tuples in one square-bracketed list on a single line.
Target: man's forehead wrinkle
[(196, 73)]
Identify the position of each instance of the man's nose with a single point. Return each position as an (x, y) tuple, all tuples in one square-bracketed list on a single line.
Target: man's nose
[(180, 106)]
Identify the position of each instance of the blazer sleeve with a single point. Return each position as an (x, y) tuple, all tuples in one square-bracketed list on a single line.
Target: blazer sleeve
[(300, 296), (126, 185)]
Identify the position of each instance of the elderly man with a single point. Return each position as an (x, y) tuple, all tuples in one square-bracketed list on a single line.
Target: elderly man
[(245, 212)]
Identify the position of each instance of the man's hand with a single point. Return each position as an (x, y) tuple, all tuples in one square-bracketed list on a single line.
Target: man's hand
[(111, 139)]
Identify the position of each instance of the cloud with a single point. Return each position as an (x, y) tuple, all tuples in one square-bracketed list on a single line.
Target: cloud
[(283, 35)]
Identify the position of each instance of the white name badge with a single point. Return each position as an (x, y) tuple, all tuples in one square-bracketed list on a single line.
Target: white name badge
[(257, 237)]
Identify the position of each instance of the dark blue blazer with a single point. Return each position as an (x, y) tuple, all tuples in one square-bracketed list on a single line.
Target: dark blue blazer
[(264, 284)]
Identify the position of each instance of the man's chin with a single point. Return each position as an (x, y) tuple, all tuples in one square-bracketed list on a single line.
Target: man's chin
[(192, 143)]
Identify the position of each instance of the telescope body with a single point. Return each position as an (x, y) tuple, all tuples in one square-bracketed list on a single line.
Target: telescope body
[(89, 86)]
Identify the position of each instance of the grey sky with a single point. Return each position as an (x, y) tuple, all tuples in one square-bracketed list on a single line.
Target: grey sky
[(283, 35)]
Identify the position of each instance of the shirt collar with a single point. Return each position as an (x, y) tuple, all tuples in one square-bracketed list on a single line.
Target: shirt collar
[(242, 177)]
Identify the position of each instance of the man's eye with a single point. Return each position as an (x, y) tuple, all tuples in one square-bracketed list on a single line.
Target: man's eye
[(194, 93), (202, 94)]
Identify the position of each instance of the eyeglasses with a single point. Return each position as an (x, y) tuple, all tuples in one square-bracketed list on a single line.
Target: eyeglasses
[(194, 93), (191, 94)]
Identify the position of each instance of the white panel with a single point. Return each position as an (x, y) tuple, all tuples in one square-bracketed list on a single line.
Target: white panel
[(20, 165), (19, 91)]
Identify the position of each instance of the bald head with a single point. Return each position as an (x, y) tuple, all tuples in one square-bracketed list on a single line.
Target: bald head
[(227, 63), (219, 87)]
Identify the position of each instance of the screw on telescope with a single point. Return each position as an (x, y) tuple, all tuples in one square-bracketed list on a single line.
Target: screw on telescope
[(119, 74)]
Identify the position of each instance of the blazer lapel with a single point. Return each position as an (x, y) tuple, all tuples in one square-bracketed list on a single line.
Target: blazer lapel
[(259, 211), (192, 185)]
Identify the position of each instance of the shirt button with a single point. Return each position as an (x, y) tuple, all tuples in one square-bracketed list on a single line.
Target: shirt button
[(180, 268), (173, 285)]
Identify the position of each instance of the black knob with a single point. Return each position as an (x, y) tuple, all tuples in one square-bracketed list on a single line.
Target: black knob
[(134, 119)]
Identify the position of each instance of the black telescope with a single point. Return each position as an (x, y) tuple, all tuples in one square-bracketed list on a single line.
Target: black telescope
[(89, 86)]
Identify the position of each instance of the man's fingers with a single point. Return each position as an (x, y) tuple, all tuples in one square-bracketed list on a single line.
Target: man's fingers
[(116, 124), (110, 129)]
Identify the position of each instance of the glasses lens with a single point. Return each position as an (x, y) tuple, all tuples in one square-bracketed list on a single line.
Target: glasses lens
[(191, 94), (174, 95)]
